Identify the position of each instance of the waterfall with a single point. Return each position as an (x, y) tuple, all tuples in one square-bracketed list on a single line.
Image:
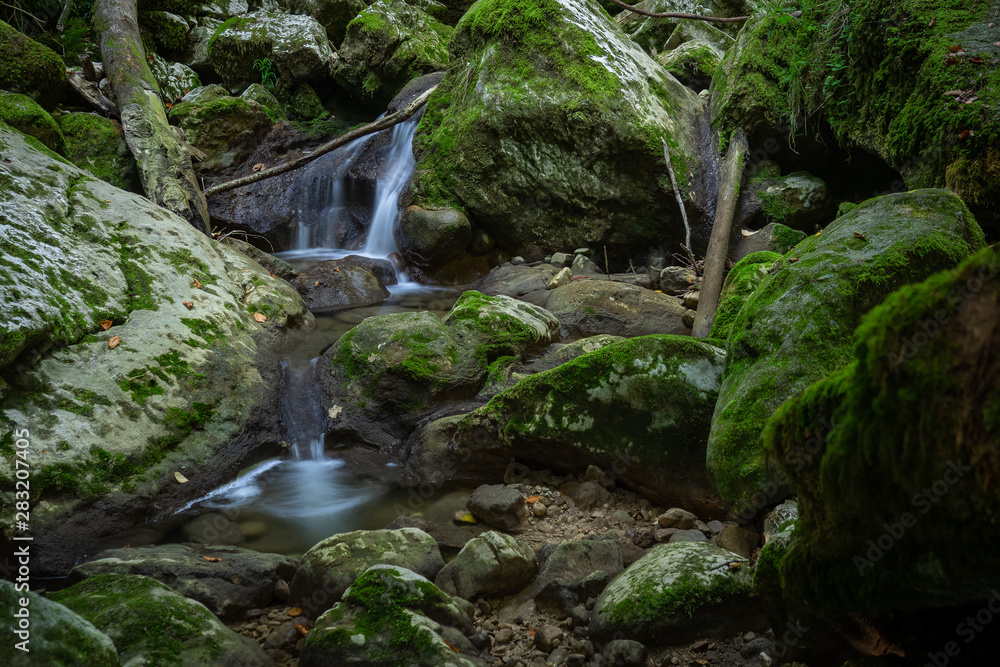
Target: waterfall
[(394, 176), (302, 409)]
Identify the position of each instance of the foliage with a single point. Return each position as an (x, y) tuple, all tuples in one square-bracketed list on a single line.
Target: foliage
[(268, 77)]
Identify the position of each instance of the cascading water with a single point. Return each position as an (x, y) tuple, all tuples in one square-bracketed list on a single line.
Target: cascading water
[(395, 176)]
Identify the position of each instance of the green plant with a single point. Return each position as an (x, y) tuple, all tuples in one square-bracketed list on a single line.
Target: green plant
[(268, 77)]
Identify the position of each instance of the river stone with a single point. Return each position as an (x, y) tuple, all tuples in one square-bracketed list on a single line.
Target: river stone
[(389, 615), (498, 326), (430, 238), (510, 135), (490, 565), (56, 635), (195, 53), (327, 569), (31, 68), (388, 44), (739, 540), (339, 283), (641, 408), (590, 307), (297, 47), (275, 265), (228, 580), (515, 281), (226, 129), (24, 115), (447, 535), (185, 390), (560, 584), (624, 653), (677, 593), (151, 624), (798, 324), (498, 505)]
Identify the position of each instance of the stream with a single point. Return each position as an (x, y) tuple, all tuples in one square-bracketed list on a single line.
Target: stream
[(287, 505)]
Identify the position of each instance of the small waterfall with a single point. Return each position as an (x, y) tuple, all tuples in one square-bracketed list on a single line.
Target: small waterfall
[(302, 408), (325, 197), (395, 175)]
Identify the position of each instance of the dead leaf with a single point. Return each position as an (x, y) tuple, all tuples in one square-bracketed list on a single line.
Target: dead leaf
[(188, 304), (792, 260), (303, 630), (196, 284), (951, 61), (257, 167), (533, 631), (464, 517), (956, 48), (336, 269), (965, 134), (977, 61), (294, 611), (954, 93), (114, 342), (992, 25), (127, 546), (211, 559), (452, 646), (860, 235), (260, 317), (105, 324), (316, 284), (181, 479), (532, 499), (273, 276)]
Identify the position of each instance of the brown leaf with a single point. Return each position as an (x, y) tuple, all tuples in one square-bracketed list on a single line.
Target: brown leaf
[(259, 166), (196, 284), (336, 269), (860, 235), (792, 260), (181, 479), (316, 284), (452, 646), (294, 611), (532, 499), (105, 324), (260, 317), (965, 134), (114, 342), (303, 630), (956, 48), (955, 93), (951, 61), (977, 61), (211, 559), (188, 304)]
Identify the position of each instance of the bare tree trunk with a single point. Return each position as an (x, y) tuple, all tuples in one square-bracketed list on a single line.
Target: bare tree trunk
[(164, 163), (718, 244)]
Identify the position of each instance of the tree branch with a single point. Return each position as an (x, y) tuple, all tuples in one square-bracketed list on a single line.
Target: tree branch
[(376, 126), (680, 203), (693, 17)]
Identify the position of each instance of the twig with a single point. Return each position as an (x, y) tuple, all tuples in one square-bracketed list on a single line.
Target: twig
[(693, 17), (38, 22), (607, 270), (680, 202), (364, 130)]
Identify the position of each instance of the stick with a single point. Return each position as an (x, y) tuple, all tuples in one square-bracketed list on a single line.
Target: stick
[(61, 23), (607, 269), (381, 124), (693, 17), (680, 202), (718, 244)]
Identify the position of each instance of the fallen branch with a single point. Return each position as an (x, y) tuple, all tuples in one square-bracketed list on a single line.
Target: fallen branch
[(376, 126), (693, 17), (718, 244), (680, 203), (89, 91)]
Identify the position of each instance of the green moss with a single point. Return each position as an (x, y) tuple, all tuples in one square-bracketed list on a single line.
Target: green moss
[(740, 283), (208, 331), (24, 115), (785, 238), (186, 263), (30, 68), (98, 145), (91, 477)]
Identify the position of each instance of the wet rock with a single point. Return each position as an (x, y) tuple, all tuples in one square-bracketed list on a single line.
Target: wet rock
[(799, 200), (490, 565), (343, 283), (275, 265), (738, 540), (779, 516), (516, 281), (447, 535), (676, 517), (692, 535), (564, 277), (677, 280), (741, 281), (25, 115), (429, 238), (36, 71), (498, 505), (624, 653), (548, 637), (227, 129), (575, 571)]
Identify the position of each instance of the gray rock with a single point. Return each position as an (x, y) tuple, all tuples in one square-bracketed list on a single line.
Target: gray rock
[(447, 535), (237, 580), (490, 565), (516, 281), (780, 515), (561, 259), (738, 540), (624, 653), (498, 505), (583, 266), (564, 277), (548, 637), (430, 238), (676, 517), (586, 495), (343, 283), (590, 307), (693, 535), (275, 265), (334, 15), (575, 571), (677, 280), (327, 569)]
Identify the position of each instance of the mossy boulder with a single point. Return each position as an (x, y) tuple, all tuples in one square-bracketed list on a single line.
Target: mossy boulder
[(546, 132), (741, 281), (659, 35), (227, 129), (692, 63), (150, 623), (175, 79), (798, 324), (488, 566), (334, 15), (913, 454), (31, 68), (258, 94), (183, 387), (390, 617), (330, 567), (54, 635), (24, 115), (799, 200), (677, 593), (640, 407), (297, 47), (387, 45), (305, 104), (169, 31), (98, 145), (390, 369)]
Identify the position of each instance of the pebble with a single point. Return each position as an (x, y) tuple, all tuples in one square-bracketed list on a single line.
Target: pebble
[(539, 509)]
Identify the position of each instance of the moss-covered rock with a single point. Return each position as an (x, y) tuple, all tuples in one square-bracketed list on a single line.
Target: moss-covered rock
[(659, 35), (258, 94), (432, 238), (390, 617), (175, 79), (31, 68), (491, 565), (334, 15), (692, 63), (54, 635), (679, 592), (799, 200), (24, 115), (798, 324), (98, 145), (641, 407), (913, 453), (546, 132), (740, 283), (150, 623), (169, 31), (305, 104), (227, 129), (497, 326), (387, 45), (296, 46), (330, 567), (183, 387)]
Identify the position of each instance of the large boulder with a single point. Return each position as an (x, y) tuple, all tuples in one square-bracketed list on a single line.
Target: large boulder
[(54, 635), (641, 407), (388, 44), (655, 35), (98, 145), (741, 281), (329, 568), (174, 79), (31, 68), (344, 283), (25, 115), (297, 47), (575, 571), (887, 494), (798, 324), (226, 129), (152, 625), (390, 616), (390, 370), (491, 565), (334, 15), (546, 132), (677, 593), (168, 387), (228, 580)]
